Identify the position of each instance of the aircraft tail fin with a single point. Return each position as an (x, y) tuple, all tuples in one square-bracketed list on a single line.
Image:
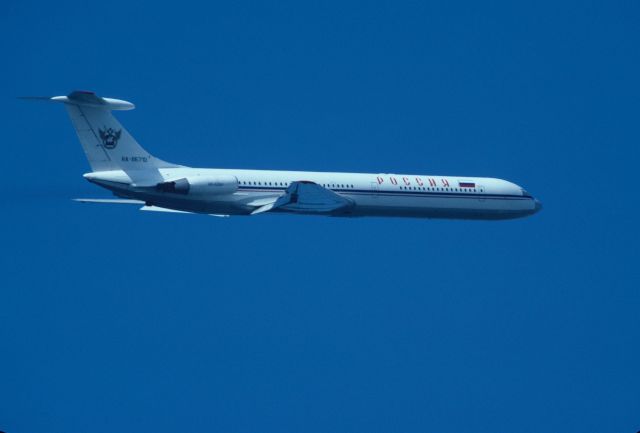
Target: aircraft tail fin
[(106, 143)]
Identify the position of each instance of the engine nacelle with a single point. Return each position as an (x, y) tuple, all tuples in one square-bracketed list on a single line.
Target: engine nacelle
[(201, 185)]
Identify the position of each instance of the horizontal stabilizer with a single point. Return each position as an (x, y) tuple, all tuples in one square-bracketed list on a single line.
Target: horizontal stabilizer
[(86, 99)]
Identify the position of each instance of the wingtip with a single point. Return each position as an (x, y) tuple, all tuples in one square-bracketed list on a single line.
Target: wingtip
[(35, 98)]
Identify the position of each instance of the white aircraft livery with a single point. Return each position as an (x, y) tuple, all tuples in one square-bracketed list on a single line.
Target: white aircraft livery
[(121, 165)]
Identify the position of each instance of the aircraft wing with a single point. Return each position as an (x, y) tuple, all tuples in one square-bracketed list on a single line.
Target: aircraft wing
[(307, 197), (108, 200), (164, 209), (138, 202)]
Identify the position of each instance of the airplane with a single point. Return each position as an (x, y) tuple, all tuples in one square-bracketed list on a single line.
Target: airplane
[(119, 164)]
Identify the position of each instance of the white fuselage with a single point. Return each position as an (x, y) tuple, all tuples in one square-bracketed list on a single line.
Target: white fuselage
[(120, 164), (422, 196)]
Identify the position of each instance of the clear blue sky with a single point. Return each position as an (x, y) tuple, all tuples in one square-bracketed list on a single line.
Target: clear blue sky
[(117, 320)]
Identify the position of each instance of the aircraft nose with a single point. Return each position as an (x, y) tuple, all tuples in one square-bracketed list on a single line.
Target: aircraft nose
[(538, 204)]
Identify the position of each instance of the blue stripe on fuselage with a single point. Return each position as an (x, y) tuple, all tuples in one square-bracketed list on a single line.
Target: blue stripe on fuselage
[(399, 193)]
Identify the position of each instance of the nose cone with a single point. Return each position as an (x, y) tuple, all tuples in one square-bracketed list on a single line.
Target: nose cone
[(537, 204)]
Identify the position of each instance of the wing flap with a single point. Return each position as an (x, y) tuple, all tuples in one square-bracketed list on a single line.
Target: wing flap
[(264, 208), (161, 209), (262, 201)]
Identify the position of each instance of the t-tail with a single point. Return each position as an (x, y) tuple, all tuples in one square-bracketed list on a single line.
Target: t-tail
[(106, 143)]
